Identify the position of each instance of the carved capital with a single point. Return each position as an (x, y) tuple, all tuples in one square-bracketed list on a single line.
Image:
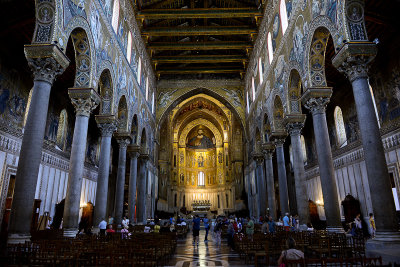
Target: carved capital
[(258, 157), (294, 123), (353, 59), (123, 139), (106, 124), (268, 150), (45, 61), (85, 100), (278, 137), (316, 99), (134, 150)]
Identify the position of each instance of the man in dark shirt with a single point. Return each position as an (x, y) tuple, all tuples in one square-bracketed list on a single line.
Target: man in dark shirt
[(196, 229)]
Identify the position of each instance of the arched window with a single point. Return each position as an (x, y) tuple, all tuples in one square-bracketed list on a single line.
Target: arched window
[(139, 70), (340, 129), (115, 16), (260, 70), (201, 179), (129, 48), (152, 104), (270, 48), (28, 105), (303, 148), (283, 14), (147, 88), (253, 88), (62, 129)]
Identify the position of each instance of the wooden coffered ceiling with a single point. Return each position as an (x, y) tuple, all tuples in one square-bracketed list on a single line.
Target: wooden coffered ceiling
[(199, 38)]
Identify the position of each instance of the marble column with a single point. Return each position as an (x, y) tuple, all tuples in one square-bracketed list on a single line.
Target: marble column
[(261, 187), (294, 124), (107, 126), (46, 62), (316, 100), (84, 100), (141, 191), (123, 140), (268, 149), (353, 60), (133, 151), (279, 140)]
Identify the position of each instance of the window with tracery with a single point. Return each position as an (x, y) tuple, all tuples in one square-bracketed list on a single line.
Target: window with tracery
[(201, 179), (283, 15), (303, 148), (28, 105), (62, 129), (253, 88), (260, 70), (129, 49), (340, 128), (270, 48), (115, 16), (139, 70)]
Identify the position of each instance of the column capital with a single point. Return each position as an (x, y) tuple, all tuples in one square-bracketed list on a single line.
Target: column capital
[(258, 157), (134, 150), (294, 123), (353, 59), (123, 139), (106, 124), (316, 99), (278, 137), (85, 100), (144, 156), (46, 61), (268, 149)]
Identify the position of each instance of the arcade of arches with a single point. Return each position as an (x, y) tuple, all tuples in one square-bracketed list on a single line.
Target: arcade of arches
[(157, 108)]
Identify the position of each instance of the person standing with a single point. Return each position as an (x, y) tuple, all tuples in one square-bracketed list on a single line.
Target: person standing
[(125, 222), (196, 230), (206, 227), (286, 222), (102, 227), (218, 230), (110, 220), (271, 225), (250, 228), (372, 225)]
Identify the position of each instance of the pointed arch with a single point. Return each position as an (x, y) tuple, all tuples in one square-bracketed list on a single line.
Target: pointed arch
[(122, 114), (278, 113), (106, 92), (143, 141), (134, 129), (283, 16), (129, 47), (294, 91), (266, 128), (257, 139), (115, 16), (270, 48)]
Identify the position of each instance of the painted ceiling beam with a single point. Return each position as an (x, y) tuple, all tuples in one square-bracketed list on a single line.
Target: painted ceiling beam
[(192, 31), (201, 70), (199, 45), (193, 13), (200, 59)]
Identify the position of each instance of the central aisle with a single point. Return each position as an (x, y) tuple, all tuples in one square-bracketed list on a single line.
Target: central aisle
[(206, 254)]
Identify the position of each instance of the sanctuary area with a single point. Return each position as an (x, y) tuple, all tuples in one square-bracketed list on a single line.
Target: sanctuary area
[(269, 130)]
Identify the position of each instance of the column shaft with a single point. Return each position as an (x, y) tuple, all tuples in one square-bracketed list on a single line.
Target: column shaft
[(326, 170), (76, 165), (261, 188), (119, 191), (299, 176), (378, 176), (269, 173), (29, 161), (132, 189), (141, 199), (100, 207), (283, 190)]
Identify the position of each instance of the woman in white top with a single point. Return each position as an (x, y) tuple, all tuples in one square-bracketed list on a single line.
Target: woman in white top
[(291, 253)]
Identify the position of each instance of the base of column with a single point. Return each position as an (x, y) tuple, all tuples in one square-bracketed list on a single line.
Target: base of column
[(70, 232), (18, 238), (333, 229)]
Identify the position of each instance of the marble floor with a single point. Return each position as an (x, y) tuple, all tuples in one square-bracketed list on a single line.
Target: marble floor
[(205, 254)]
